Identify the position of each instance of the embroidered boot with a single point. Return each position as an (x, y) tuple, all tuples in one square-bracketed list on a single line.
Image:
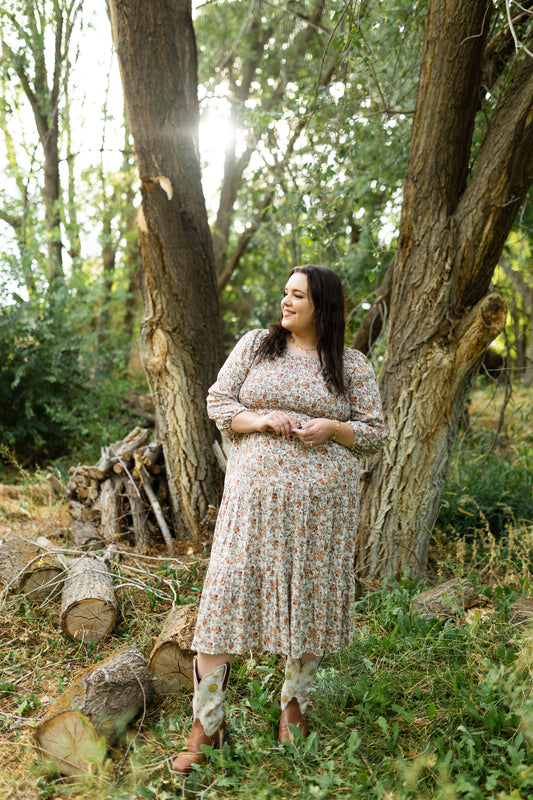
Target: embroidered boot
[(295, 696), (209, 726)]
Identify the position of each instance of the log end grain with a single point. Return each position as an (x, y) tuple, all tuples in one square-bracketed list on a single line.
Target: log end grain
[(171, 669), (88, 620), (94, 712), (70, 742), (42, 582), (171, 660)]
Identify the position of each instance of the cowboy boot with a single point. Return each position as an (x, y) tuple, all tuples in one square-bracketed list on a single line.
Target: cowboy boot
[(295, 696), (209, 726)]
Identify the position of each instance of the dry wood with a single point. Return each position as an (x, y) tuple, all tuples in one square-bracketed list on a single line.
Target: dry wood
[(150, 455), (85, 535), (171, 657), (446, 600), (117, 492), (138, 513), (27, 567), (108, 504), (57, 484), (521, 612), (94, 712), (80, 512), (158, 511), (88, 604)]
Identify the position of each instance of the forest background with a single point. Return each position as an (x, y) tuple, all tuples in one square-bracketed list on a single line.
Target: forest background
[(306, 115)]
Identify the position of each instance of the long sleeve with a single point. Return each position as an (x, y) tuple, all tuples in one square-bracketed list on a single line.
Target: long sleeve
[(366, 414), (223, 396)]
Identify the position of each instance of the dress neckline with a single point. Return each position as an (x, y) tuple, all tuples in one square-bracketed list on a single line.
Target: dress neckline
[(295, 355)]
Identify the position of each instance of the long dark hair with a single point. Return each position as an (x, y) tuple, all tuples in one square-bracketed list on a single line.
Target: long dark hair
[(327, 295)]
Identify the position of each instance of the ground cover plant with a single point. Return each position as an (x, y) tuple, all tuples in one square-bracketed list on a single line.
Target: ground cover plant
[(414, 709)]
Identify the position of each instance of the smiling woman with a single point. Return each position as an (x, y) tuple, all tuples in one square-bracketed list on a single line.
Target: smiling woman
[(297, 314), (300, 410)]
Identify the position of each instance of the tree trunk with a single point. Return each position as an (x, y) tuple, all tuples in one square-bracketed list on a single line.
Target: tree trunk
[(452, 231), (94, 712), (181, 333)]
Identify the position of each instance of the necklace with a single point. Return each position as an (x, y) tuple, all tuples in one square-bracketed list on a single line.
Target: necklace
[(299, 346)]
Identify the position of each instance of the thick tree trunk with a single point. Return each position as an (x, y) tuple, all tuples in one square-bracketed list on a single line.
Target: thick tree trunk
[(181, 334), (452, 231)]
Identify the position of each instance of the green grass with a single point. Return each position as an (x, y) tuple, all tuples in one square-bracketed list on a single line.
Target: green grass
[(413, 709)]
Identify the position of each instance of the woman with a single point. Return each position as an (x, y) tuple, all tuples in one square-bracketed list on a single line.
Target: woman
[(300, 409)]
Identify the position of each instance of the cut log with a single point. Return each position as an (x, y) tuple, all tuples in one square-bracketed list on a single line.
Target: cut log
[(521, 612), (88, 604), (171, 657), (446, 600), (27, 567), (94, 712), (108, 505)]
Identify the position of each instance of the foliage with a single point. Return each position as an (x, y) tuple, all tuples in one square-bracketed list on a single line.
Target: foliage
[(490, 483), (57, 394), (414, 709), (348, 97)]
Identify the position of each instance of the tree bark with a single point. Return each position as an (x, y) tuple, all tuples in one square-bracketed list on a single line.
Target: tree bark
[(181, 333), (453, 226), (445, 601)]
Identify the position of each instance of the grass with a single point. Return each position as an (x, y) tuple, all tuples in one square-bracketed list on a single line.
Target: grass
[(413, 710)]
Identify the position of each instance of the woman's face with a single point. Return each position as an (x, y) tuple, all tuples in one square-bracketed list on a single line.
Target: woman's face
[(297, 306)]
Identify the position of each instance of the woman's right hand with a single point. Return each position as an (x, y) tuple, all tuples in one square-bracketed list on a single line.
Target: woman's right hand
[(276, 421), (250, 422)]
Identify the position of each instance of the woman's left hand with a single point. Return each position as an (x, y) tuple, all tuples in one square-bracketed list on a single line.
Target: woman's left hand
[(316, 431)]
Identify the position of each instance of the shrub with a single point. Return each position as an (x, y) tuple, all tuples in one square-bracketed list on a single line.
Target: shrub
[(53, 397)]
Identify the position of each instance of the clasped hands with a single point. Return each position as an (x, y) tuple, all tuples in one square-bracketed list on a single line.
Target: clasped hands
[(313, 433)]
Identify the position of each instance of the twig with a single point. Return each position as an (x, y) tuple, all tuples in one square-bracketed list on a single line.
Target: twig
[(158, 511)]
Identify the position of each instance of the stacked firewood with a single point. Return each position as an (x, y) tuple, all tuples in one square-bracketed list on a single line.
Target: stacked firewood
[(124, 496)]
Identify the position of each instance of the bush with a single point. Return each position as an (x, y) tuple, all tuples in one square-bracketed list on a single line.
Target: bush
[(493, 492), (52, 397)]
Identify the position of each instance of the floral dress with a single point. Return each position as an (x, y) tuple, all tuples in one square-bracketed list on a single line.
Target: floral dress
[(281, 573)]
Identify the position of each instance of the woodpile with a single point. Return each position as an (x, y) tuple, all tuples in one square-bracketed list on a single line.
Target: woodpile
[(94, 712), (124, 496)]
